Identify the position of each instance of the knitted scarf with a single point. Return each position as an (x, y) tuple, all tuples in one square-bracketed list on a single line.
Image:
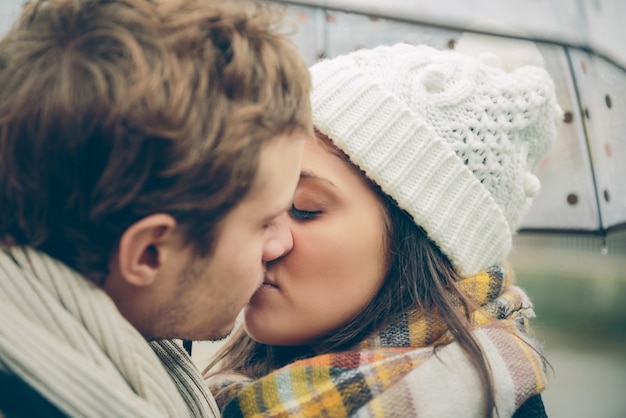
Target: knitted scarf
[(63, 336), (397, 372)]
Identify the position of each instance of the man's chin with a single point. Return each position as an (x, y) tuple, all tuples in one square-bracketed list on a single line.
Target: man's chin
[(220, 335)]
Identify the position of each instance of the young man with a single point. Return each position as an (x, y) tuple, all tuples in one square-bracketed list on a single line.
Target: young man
[(148, 152)]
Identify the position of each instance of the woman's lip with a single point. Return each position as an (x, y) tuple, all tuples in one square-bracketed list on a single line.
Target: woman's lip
[(268, 284)]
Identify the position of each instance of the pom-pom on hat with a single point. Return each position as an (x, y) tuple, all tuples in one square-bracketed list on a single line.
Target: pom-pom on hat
[(454, 139)]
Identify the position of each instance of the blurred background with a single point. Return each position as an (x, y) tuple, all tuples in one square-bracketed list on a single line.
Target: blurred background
[(578, 286), (570, 255)]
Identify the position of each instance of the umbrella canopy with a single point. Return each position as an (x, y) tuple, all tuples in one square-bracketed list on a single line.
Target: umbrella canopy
[(582, 44), (584, 49)]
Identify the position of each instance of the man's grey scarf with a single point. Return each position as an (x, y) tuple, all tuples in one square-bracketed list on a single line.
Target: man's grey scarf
[(64, 337)]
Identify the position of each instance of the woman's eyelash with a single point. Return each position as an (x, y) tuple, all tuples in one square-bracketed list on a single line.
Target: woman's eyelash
[(303, 215)]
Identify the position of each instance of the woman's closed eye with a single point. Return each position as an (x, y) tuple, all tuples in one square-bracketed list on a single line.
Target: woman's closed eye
[(303, 215)]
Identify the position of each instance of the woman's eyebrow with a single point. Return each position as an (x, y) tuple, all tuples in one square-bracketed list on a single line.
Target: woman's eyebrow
[(311, 175)]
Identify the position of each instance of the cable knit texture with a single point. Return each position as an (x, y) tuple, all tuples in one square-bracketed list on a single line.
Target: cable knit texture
[(454, 139), (65, 338)]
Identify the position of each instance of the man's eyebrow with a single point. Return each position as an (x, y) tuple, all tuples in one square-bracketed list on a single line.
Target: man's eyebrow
[(280, 211), (311, 175)]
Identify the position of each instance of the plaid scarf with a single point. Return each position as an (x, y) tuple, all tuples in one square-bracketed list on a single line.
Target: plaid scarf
[(397, 372)]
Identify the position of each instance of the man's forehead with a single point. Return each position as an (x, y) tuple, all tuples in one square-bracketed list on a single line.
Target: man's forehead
[(277, 175)]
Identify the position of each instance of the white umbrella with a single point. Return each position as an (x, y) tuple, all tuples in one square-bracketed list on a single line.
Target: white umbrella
[(584, 47), (585, 51)]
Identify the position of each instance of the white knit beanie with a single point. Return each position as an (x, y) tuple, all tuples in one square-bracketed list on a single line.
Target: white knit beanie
[(452, 138)]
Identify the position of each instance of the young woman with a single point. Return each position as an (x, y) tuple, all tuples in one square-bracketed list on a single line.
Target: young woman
[(396, 299)]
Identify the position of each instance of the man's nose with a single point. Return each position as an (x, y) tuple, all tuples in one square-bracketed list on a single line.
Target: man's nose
[(279, 240)]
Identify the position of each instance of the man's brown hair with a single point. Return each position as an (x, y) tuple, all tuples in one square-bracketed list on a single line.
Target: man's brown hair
[(112, 110)]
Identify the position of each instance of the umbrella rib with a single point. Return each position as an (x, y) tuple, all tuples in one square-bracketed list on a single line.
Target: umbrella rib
[(587, 139), (452, 27)]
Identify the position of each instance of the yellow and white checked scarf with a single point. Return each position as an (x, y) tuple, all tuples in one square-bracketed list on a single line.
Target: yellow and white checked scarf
[(397, 372)]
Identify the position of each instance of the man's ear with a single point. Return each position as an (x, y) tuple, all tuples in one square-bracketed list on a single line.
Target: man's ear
[(142, 248)]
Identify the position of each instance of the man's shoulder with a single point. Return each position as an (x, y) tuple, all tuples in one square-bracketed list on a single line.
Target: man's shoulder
[(19, 399)]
